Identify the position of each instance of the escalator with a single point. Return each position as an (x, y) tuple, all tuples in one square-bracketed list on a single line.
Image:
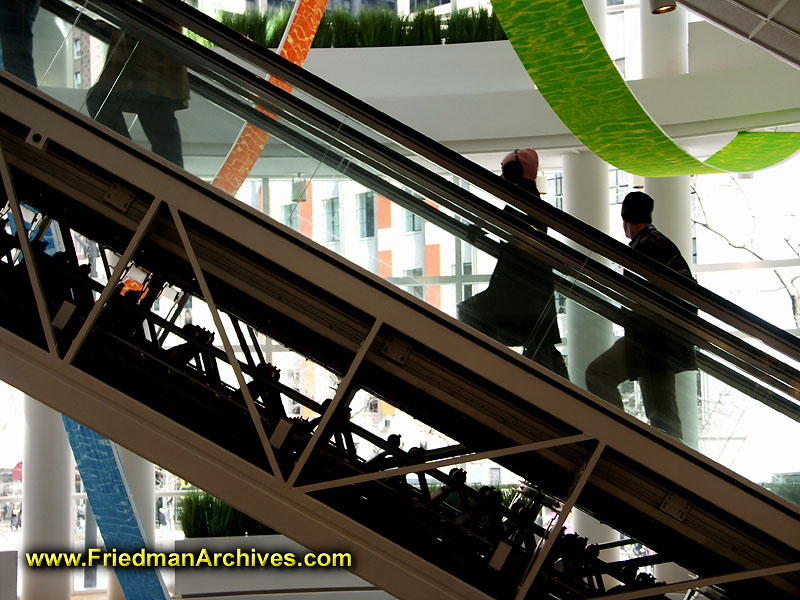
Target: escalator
[(120, 242)]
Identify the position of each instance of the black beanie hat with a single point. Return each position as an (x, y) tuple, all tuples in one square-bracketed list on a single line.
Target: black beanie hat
[(637, 208)]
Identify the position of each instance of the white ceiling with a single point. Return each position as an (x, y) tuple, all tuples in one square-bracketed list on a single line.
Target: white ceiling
[(478, 100), (771, 24)]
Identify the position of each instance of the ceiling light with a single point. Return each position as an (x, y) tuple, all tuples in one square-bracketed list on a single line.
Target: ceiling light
[(659, 7)]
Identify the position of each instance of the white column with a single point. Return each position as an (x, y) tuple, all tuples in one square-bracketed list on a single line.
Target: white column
[(586, 189), (597, 533), (665, 52), (672, 217), (47, 481), (665, 43), (52, 58), (585, 197), (265, 204), (673, 210), (597, 13), (141, 478), (8, 575)]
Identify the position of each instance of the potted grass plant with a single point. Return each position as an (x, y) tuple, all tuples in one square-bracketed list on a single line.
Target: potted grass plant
[(203, 515), (215, 527), (370, 28)]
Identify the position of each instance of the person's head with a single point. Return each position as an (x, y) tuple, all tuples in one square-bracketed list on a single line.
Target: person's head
[(637, 213), (520, 167), (269, 371)]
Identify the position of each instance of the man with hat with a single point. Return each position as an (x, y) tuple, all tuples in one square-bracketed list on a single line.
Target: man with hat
[(645, 353), (518, 307)]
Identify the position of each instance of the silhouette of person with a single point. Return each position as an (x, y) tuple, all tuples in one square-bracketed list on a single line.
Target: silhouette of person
[(386, 459), (16, 37), (142, 80), (341, 435), (644, 353), (518, 307), (270, 397)]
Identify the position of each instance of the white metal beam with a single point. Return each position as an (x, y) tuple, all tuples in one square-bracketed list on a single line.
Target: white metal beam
[(435, 464), (701, 582), (232, 360), (27, 253)]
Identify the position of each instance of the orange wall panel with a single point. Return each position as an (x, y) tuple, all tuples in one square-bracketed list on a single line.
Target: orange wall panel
[(307, 214), (433, 266), (384, 213), (385, 263)]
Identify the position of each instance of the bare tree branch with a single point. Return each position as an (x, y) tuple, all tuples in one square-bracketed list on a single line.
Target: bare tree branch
[(790, 286), (791, 247)]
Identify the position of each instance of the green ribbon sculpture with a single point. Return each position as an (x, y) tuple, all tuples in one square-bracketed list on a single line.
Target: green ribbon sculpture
[(562, 52)]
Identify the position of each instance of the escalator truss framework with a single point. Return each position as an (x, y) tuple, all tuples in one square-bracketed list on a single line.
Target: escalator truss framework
[(213, 411)]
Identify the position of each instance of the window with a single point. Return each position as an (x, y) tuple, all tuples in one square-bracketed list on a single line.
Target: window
[(331, 219), (291, 378), (555, 190), (419, 5), (561, 303), (417, 290), (77, 80), (411, 221), (290, 215), (76, 47), (366, 215), (620, 186), (494, 475), (467, 270), (474, 473)]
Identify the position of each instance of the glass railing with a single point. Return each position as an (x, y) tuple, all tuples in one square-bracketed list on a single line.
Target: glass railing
[(449, 232)]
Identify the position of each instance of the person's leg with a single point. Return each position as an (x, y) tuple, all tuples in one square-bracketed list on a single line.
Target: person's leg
[(160, 125), (548, 356), (559, 365), (105, 108), (658, 395), (469, 310), (16, 37), (606, 372)]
